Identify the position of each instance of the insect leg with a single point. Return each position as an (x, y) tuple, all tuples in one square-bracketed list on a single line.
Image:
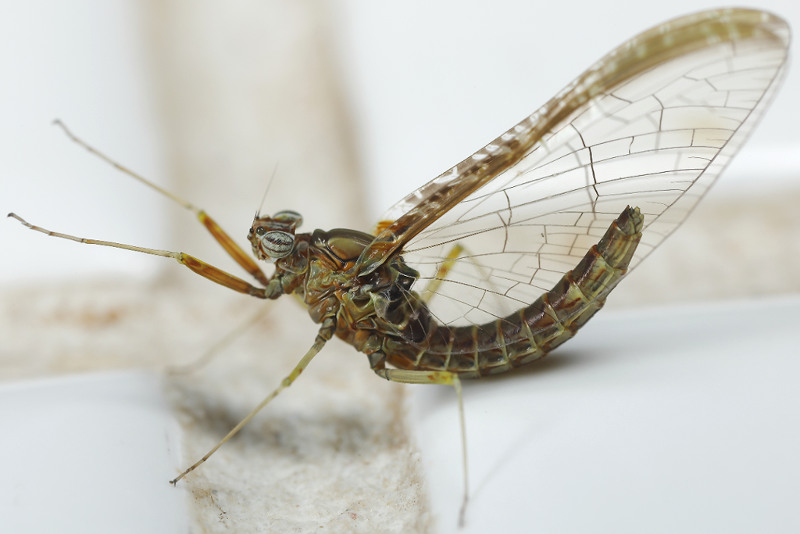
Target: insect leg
[(200, 267), (441, 273), (444, 268), (445, 378), (218, 346), (221, 237), (324, 335)]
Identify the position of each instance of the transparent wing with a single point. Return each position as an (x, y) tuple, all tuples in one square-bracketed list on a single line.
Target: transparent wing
[(650, 125)]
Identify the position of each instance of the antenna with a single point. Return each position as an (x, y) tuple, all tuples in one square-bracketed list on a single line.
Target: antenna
[(269, 184)]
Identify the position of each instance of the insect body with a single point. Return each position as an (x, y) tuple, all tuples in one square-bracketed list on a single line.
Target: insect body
[(381, 315), (486, 268)]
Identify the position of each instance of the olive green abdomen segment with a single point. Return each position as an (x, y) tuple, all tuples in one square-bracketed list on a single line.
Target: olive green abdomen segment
[(533, 331)]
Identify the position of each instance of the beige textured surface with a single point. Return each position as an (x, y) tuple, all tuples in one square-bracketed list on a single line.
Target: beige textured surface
[(331, 452), (241, 88), (246, 89), (730, 247)]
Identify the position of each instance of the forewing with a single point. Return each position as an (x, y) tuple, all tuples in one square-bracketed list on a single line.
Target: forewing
[(651, 125)]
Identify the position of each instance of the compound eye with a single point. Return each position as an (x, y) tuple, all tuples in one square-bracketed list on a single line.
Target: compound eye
[(289, 216), (261, 231), (277, 244)]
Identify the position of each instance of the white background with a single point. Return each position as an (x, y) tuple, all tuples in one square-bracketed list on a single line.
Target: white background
[(426, 84)]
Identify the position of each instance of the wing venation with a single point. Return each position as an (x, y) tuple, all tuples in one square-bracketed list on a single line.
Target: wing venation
[(650, 125)]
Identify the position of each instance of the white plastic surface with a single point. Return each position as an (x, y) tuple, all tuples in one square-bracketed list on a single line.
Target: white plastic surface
[(89, 453), (672, 420)]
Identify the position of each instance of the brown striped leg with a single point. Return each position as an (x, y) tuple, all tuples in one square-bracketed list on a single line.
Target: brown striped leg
[(244, 259), (272, 290)]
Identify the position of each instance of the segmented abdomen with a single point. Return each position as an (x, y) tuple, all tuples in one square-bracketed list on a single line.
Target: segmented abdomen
[(533, 331)]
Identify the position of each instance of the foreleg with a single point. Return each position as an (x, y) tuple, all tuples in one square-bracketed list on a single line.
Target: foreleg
[(220, 236), (200, 267)]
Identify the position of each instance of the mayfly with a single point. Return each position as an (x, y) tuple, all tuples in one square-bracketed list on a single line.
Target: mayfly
[(502, 258)]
